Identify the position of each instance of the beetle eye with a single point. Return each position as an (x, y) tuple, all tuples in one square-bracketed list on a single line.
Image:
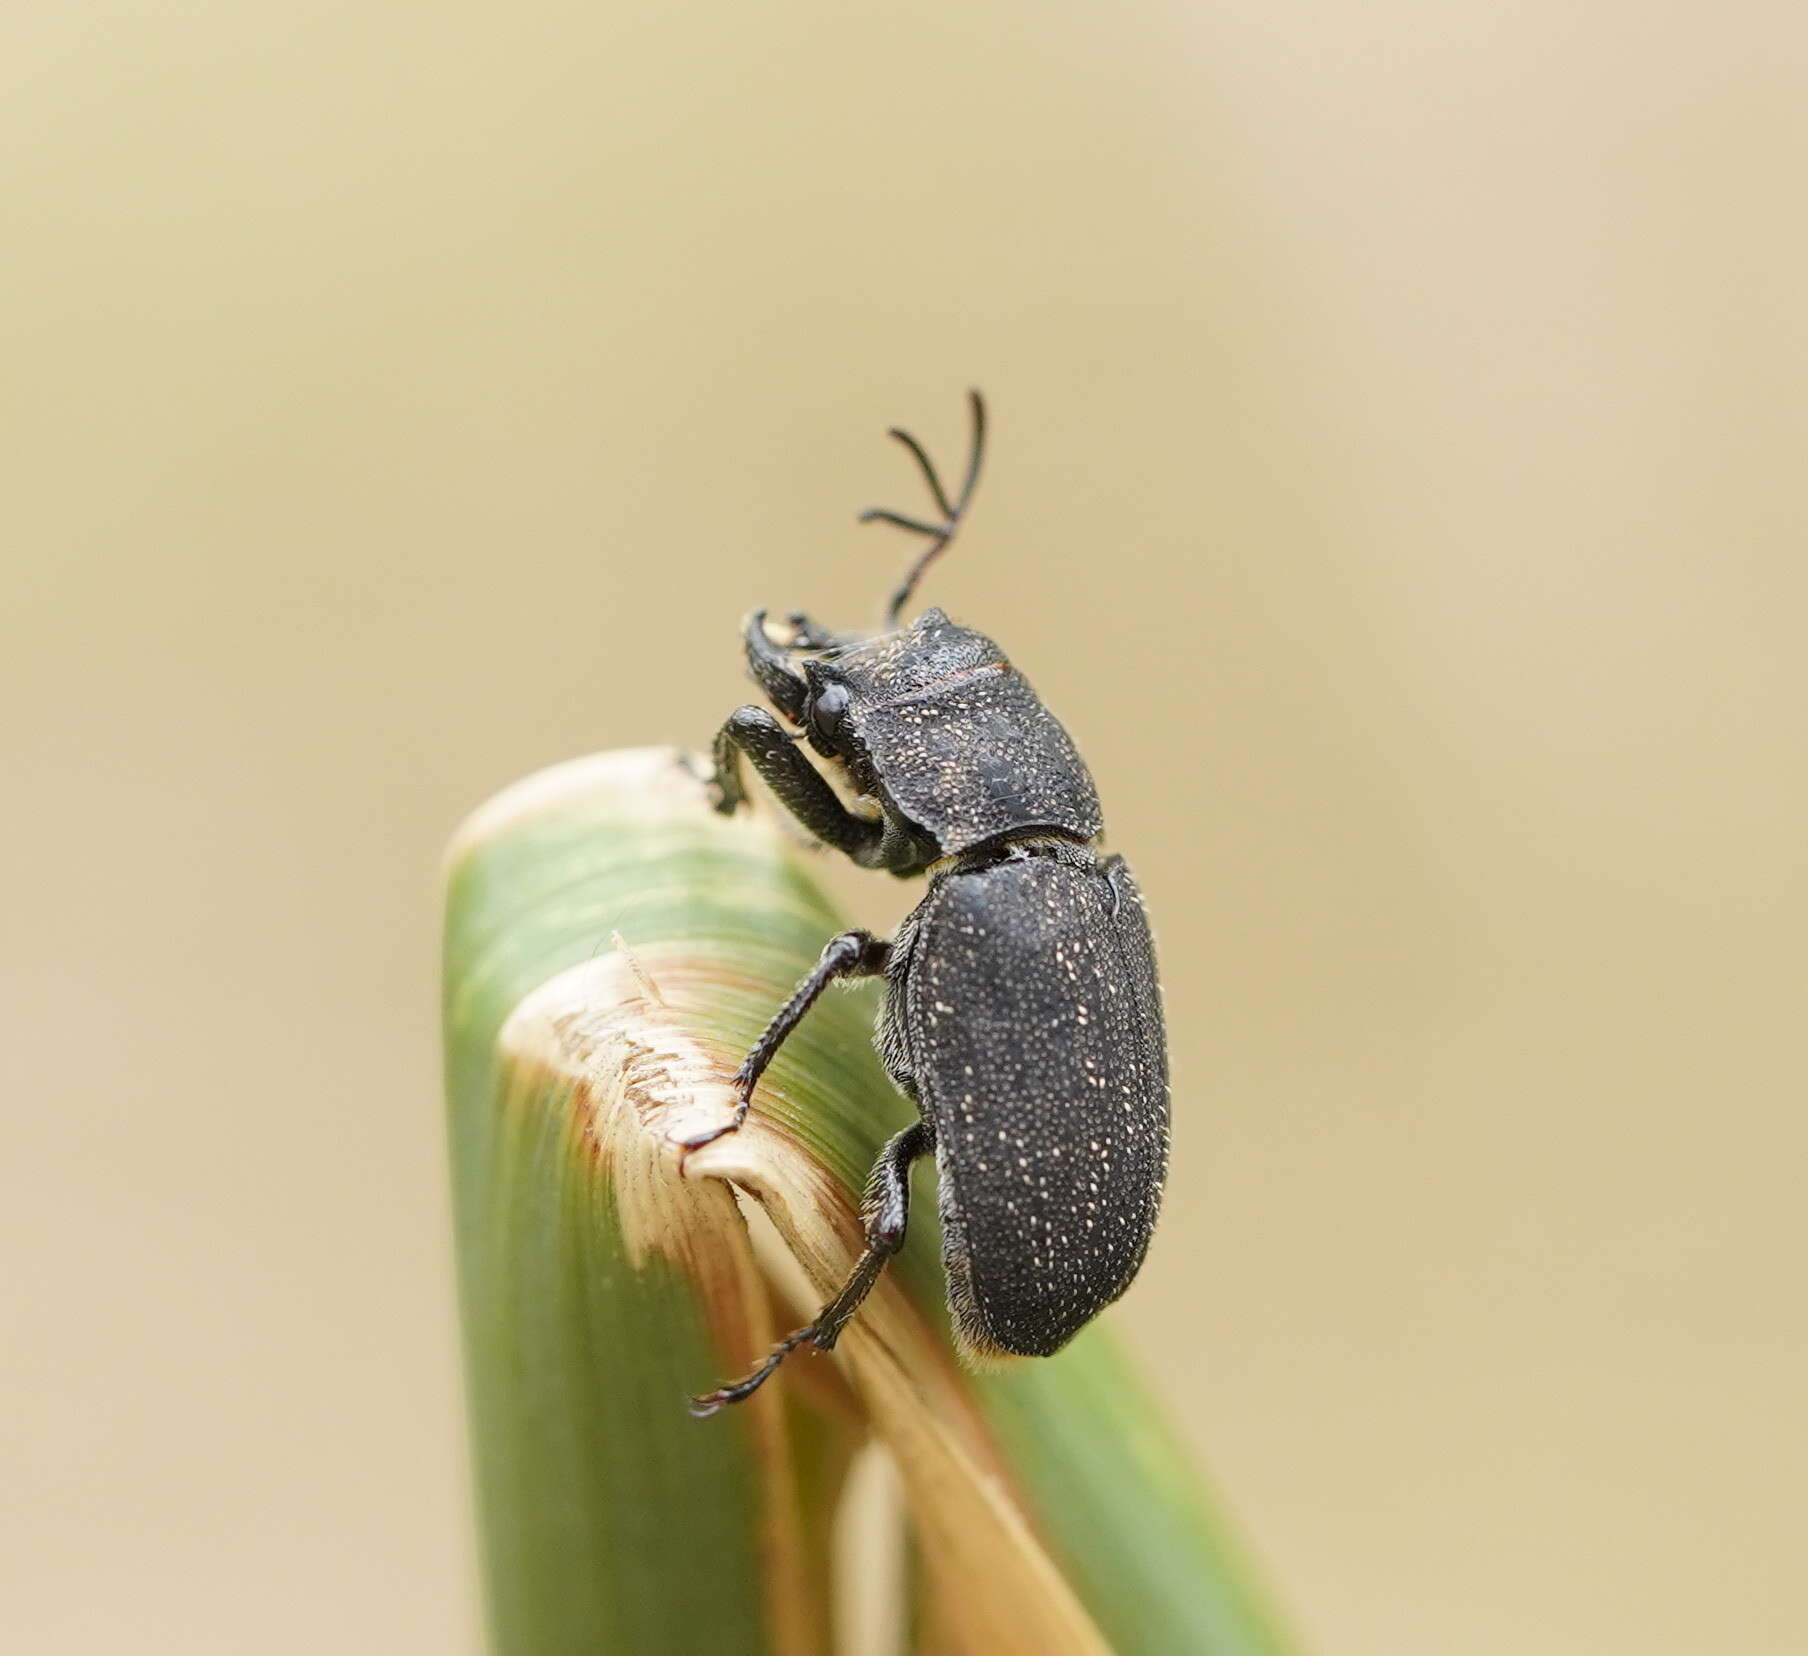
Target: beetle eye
[(827, 708)]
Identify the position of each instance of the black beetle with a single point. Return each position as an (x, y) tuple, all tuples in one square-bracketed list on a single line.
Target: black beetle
[(1022, 1013)]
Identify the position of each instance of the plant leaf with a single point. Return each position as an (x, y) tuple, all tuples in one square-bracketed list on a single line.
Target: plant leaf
[(612, 950)]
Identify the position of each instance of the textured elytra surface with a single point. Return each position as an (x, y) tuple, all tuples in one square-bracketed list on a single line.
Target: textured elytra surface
[(957, 741), (1026, 1012)]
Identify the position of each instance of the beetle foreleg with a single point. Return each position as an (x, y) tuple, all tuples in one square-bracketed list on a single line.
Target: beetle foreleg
[(885, 1210), (852, 954), (799, 785)]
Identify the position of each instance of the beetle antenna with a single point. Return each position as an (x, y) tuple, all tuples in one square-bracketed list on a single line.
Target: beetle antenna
[(927, 467), (952, 511)]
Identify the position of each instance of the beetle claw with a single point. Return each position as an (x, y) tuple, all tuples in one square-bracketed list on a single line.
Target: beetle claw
[(709, 1135)]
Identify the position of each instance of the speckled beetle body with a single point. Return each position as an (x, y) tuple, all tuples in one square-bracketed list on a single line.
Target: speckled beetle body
[(1023, 1012)]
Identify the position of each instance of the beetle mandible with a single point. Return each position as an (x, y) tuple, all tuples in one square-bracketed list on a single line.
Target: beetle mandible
[(1022, 1012)]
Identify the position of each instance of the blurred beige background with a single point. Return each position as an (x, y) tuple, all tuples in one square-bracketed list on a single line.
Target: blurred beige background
[(1397, 487)]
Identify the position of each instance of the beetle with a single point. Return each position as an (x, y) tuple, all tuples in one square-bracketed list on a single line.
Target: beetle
[(1022, 1012)]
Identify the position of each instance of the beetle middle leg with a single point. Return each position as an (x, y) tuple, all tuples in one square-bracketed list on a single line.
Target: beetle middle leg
[(885, 1212), (854, 954)]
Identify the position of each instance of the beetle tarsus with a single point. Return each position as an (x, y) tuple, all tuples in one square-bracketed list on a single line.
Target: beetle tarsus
[(738, 1391), (710, 1134), (723, 799)]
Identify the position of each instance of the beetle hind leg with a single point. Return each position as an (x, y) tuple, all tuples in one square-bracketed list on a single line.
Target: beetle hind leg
[(737, 1391), (885, 1210)]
